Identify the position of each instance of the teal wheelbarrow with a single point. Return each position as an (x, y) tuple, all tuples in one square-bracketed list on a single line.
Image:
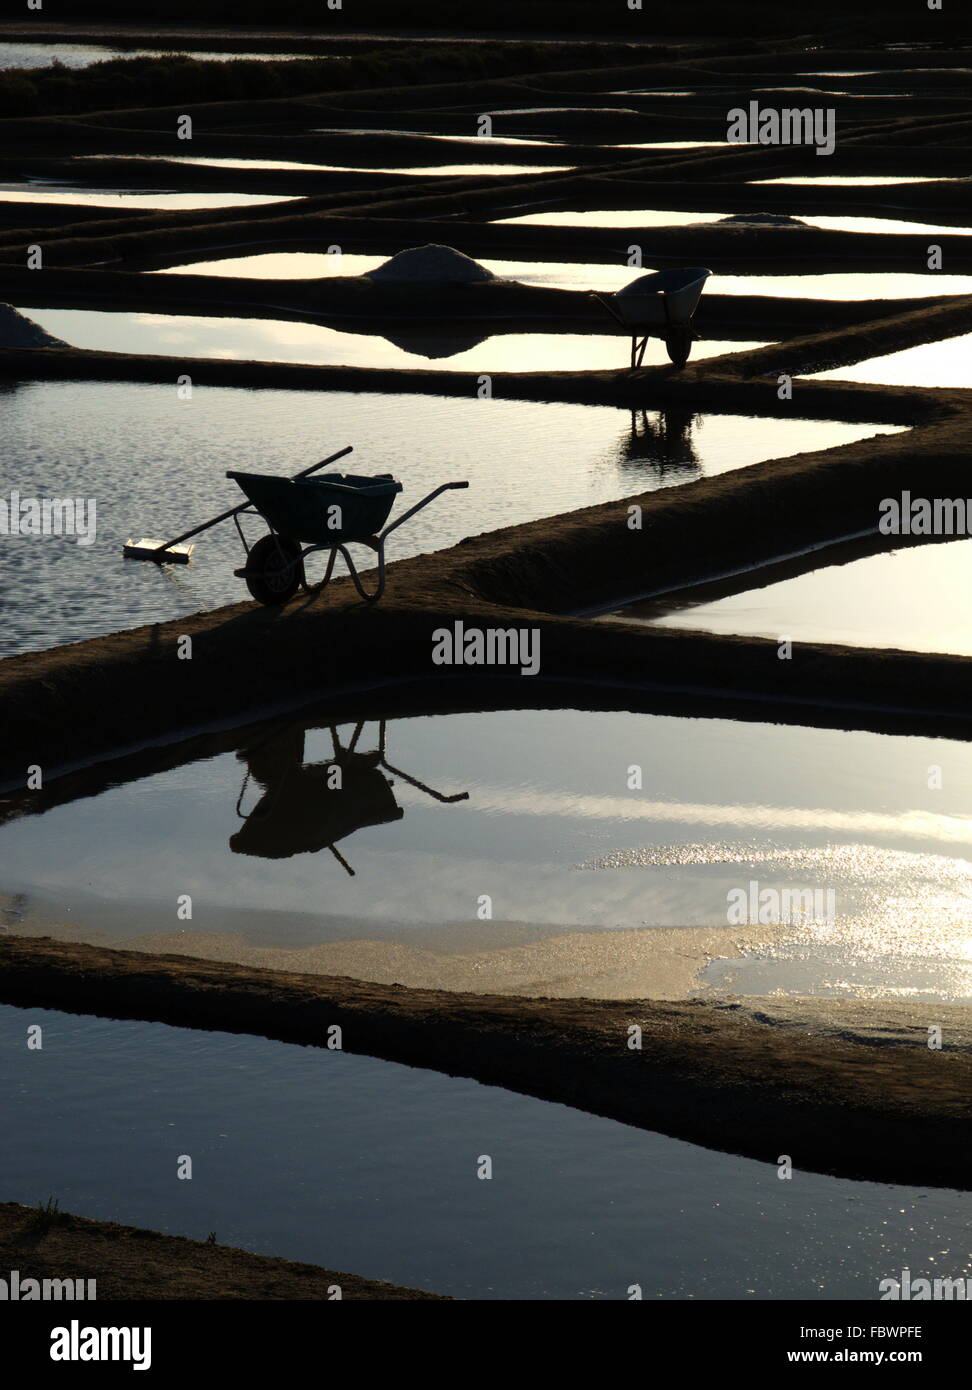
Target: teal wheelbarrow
[(305, 515)]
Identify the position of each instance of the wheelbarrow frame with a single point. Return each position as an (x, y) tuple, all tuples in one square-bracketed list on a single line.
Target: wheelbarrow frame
[(338, 547)]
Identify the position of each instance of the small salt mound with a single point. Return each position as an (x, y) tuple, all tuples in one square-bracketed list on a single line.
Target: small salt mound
[(18, 331), (432, 265), (755, 219)]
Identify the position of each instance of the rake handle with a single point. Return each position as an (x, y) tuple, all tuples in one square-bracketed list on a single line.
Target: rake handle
[(225, 516)]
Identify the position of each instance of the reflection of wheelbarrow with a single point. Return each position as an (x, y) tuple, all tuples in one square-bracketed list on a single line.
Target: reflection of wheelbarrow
[(305, 809), (665, 442), (666, 300), (310, 514)]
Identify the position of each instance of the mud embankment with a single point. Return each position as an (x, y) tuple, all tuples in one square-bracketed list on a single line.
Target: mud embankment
[(730, 249), (842, 1087), (129, 1262)]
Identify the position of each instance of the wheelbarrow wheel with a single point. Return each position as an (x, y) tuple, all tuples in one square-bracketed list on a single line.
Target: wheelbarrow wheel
[(678, 344), (273, 569)]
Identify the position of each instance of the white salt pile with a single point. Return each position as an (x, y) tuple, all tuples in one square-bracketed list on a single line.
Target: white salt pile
[(18, 331), (431, 265)]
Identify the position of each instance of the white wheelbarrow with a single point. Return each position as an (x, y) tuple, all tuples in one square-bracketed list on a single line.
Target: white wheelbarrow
[(666, 301)]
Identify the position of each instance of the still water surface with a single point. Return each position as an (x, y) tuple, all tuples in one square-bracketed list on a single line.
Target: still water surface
[(370, 1167), (535, 809), (111, 198), (71, 55), (915, 599), (276, 340), (947, 362)]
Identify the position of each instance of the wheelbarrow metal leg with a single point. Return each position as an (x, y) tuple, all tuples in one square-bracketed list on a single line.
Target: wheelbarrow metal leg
[(329, 570), (377, 544), (363, 592)]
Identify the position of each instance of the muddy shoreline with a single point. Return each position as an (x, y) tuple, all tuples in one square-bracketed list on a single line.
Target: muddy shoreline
[(132, 1263)]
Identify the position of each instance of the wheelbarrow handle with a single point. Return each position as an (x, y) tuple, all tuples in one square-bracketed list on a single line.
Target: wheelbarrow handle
[(430, 791), (607, 305), (444, 487)]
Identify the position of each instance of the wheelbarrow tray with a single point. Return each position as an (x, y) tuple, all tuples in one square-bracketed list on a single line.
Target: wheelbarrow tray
[(328, 510), (668, 296), (307, 814)]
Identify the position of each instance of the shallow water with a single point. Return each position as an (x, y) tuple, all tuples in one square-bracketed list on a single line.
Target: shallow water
[(889, 72), (286, 265), (107, 198), (550, 830), (71, 55), (911, 599), (865, 180), (944, 363), (99, 1117), (66, 439), (666, 144), (278, 340), (882, 225), (550, 142), (450, 169), (621, 217), (470, 139), (225, 163), (280, 265), (651, 217), (651, 92), (534, 110), (846, 285)]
